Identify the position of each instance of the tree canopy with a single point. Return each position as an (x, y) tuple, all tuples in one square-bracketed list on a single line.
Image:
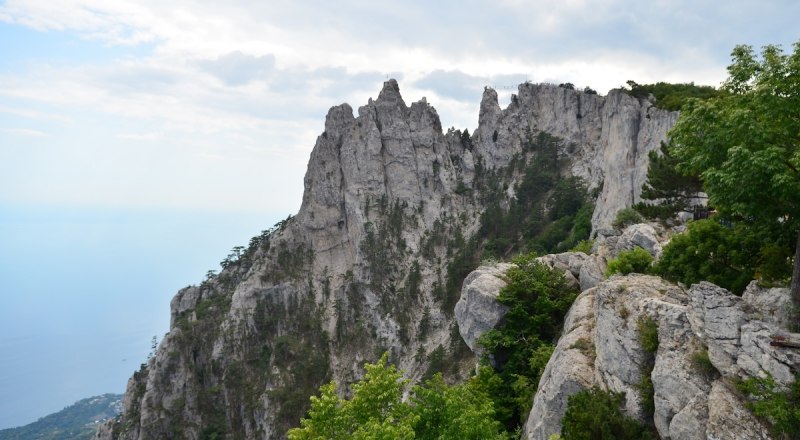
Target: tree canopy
[(377, 411), (744, 144)]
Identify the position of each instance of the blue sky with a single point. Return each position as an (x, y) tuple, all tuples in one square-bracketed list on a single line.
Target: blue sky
[(141, 140)]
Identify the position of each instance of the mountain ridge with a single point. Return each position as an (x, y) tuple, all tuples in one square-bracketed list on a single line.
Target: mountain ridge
[(368, 264), (74, 422)]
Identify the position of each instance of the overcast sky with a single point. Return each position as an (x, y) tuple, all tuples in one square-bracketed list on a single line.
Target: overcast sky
[(141, 140)]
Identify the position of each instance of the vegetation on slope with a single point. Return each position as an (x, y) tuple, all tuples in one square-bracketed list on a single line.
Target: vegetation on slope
[(671, 96), (75, 422), (538, 297), (743, 145), (596, 414), (377, 410)]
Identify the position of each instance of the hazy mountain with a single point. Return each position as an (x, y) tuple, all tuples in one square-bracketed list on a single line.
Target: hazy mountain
[(76, 422)]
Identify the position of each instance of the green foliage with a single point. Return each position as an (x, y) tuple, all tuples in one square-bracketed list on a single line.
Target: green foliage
[(648, 334), (647, 330), (595, 414), (376, 410), (671, 96), (626, 217), (75, 422), (702, 363), (584, 246), (454, 412), (538, 298), (781, 408), (636, 260), (745, 144), (668, 190), (724, 255)]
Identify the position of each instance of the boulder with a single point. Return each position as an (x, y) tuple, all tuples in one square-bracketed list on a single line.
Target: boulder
[(477, 311)]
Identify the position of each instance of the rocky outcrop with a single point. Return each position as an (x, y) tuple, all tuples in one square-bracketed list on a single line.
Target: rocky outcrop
[(689, 402), (364, 265), (773, 304), (477, 311), (608, 138)]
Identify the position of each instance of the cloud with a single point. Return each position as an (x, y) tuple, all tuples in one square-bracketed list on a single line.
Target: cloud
[(453, 84), (236, 68), (23, 132), (259, 78), (33, 114)]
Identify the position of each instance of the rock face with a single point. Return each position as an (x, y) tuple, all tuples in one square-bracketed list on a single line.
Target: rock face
[(690, 402), (477, 311), (363, 266)]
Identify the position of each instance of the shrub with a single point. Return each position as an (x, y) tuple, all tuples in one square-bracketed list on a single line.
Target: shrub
[(648, 334), (710, 251), (538, 298), (626, 217), (702, 363), (584, 246), (597, 414), (635, 260), (780, 408), (648, 338)]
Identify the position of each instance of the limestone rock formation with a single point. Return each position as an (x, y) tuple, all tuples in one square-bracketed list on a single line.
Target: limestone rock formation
[(689, 403), (477, 311), (365, 266)]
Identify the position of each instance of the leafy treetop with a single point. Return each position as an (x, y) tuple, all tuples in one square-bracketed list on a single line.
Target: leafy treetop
[(745, 144)]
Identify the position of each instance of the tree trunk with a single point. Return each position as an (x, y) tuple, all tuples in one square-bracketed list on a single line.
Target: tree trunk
[(795, 290)]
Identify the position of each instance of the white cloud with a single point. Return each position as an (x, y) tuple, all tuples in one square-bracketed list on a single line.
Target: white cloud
[(253, 81), (23, 132)]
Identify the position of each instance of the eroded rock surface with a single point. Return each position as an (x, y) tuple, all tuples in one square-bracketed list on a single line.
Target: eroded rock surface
[(690, 403), (478, 311), (361, 267)]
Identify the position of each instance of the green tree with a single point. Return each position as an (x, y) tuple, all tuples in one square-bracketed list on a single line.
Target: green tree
[(745, 144), (377, 411), (595, 414), (667, 191), (538, 297), (454, 412), (635, 260), (724, 255)]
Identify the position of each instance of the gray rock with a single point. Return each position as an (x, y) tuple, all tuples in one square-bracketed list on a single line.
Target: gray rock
[(387, 157), (738, 340), (728, 419), (689, 404), (478, 311), (569, 371), (773, 304), (592, 273), (639, 235)]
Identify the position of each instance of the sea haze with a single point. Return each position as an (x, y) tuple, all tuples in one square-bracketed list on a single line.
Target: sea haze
[(85, 290)]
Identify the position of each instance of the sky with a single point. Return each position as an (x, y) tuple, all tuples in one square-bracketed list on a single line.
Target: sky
[(141, 140)]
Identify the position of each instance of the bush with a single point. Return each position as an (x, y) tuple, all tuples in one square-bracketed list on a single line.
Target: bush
[(710, 251), (376, 410), (702, 363), (648, 334), (780, 408), (538, 298), (626, 217), (647, 330), (584, 246), (597, 414), (635, 260)]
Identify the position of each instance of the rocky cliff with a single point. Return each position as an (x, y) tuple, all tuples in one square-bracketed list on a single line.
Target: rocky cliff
[(706, 337), (368, 263)]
